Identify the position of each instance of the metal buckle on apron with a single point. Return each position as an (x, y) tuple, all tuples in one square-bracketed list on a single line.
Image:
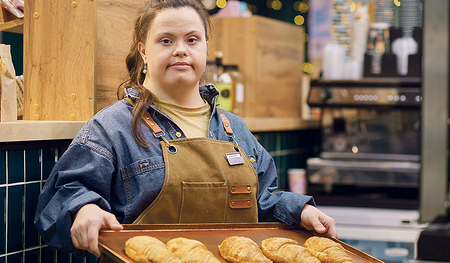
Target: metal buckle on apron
[(172, 148)]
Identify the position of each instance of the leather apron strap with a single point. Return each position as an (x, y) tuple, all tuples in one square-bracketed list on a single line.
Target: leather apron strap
[(206, 181)]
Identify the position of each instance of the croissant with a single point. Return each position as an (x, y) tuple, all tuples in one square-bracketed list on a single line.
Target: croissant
[(146, 249), (239, 249), (286, 250), (326, 250), (190, 250)]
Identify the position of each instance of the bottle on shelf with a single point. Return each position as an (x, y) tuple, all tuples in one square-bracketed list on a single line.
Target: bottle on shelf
[(230, 83), (238, 89), (224, 84)]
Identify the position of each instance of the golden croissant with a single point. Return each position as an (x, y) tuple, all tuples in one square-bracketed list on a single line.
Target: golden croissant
[(240, 249), (286, 250), (146, 249), (326, 250), (190, 250)]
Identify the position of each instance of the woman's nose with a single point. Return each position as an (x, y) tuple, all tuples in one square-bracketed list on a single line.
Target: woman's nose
[(180, 50)]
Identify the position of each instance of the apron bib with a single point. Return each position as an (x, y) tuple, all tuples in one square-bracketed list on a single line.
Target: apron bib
[(206, 181)]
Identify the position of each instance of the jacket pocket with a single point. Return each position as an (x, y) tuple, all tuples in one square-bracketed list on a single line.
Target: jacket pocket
[(141, 166), (142, 181), (203, 202)]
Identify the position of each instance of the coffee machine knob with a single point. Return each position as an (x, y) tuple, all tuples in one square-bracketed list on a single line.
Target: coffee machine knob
[(323, 95)]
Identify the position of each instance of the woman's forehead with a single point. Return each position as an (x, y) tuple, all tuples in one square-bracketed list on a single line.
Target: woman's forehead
[(178, 17)]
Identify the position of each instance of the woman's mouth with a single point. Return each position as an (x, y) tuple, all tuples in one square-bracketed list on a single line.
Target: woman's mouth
[(180, 65)]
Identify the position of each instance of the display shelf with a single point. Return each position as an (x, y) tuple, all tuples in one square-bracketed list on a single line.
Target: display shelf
[(14, 26)]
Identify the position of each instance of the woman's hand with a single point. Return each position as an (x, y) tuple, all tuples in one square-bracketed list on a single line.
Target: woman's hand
[(314, 219), (86, 225)]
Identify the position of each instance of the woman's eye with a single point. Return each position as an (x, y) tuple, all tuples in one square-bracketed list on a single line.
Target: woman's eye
[(165, 41), (192, 40)]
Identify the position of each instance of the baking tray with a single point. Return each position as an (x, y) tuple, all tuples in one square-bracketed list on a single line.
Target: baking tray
[(112, 243)]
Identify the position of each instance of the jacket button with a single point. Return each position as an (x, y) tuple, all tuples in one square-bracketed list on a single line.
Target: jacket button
[(248, 203), (178, 134), (248, 188), (232, 189), (232, 203)]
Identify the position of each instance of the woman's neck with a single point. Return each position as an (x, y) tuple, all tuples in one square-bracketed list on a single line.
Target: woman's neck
[(180, 95)]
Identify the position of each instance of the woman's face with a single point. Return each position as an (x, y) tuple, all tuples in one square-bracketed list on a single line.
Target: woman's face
[(175, 49)]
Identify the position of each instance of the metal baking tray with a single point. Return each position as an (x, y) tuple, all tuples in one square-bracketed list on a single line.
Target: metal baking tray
[(112, 243)]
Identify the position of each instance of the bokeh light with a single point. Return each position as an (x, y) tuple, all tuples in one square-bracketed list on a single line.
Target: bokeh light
[(276, 5), (301, 6), (352, 7), (221, 3), (299, 20), (308, 67)]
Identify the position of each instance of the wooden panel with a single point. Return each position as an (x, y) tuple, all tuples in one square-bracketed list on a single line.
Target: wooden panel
[(270, 54), (59, 59), (115, 20)]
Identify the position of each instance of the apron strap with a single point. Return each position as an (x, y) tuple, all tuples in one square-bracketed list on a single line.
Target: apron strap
[(148, 120), (151, 123), (226, 123)]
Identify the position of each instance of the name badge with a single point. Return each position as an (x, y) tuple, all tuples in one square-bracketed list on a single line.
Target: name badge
[(234, 158)]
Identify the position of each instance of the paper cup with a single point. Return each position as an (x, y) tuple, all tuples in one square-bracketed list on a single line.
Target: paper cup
[(297, 180)]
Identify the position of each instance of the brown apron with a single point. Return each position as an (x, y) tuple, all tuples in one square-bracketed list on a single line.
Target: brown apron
[(206, 181)]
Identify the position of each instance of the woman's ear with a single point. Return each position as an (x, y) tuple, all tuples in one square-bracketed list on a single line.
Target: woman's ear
[(141, 49)]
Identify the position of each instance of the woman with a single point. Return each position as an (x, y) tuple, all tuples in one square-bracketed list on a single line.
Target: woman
[(165, 153)]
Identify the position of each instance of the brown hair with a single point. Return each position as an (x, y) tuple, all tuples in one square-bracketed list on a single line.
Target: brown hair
[(134, 61)]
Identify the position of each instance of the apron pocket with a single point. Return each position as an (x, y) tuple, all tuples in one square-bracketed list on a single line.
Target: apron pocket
[(203, 202)]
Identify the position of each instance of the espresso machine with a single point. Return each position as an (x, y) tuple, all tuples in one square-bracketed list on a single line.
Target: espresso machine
[(367, 174), (370, 144)]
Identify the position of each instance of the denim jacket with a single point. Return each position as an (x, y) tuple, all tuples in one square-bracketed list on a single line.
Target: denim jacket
[(103, 166)]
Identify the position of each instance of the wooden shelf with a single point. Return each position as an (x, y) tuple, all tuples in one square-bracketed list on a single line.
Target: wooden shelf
[(263, 124), (39, 130), (57, 130), (14, 26)]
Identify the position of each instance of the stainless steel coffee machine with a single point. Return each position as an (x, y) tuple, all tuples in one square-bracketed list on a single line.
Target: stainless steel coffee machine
[(370, 144)]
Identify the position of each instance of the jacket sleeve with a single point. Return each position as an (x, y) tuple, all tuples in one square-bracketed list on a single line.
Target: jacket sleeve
[(274, 205), (82, 175)]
